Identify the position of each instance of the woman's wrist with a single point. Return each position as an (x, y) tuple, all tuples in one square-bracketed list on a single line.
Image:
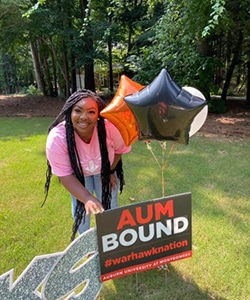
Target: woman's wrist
[(112, 171)]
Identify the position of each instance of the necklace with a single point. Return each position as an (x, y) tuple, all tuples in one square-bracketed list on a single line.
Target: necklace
[(86, 137), (87, 141)]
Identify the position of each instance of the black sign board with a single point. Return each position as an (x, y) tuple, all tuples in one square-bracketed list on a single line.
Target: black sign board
[(145, 235)]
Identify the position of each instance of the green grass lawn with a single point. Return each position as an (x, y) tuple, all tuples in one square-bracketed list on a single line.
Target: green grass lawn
[(216, 172)]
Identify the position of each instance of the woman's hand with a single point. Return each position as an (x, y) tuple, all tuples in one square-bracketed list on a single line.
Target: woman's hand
[(73, 185), (113, 181), (93, 206)]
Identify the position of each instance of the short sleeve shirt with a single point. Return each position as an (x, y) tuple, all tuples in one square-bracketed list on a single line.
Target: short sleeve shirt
[(89, 153)]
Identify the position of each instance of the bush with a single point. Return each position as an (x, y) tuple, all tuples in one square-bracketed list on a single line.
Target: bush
[(31, 90), (216, 105)]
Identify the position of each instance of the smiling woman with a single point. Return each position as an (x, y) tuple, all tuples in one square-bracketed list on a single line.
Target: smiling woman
[(84, 118), (84, 151)]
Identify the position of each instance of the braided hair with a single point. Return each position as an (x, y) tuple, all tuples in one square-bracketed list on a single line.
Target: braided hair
[(65, 115)]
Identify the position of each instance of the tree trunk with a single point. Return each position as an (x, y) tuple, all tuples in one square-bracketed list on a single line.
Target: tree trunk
[(219, 54), (47, 77), (248, 77), (248, 84), (111, 78), (73, 73), (37, 68), (57, 64), (89, 76), (66, 71), (231, 68), (89, 80), (7, 74), (55, 90)]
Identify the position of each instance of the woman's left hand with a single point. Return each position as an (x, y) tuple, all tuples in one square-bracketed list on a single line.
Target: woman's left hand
[(113, 181)]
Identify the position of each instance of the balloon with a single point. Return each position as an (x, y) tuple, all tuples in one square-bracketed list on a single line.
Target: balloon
[(120, 114), (164, 110), (201, 117)]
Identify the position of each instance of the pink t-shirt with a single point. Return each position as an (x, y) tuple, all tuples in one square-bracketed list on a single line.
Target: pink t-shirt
[(90, 157)]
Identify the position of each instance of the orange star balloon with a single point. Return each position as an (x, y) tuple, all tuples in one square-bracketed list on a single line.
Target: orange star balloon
[(118, 112)]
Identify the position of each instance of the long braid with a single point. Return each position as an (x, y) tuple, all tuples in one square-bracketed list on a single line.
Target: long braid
[(105, 171), (120, 174), (65, 114), (58, 119), (77, 168)]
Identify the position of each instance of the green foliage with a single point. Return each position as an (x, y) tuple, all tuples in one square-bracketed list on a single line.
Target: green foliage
[(217, 12), (193, 39), (32, 90), (188, 40), (141, 66), (175, 48), (216, 105)]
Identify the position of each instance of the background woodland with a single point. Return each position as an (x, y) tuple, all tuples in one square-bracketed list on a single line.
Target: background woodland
[(46, 44)]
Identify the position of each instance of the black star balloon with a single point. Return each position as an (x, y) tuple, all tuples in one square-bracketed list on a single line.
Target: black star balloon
[(163, 110)]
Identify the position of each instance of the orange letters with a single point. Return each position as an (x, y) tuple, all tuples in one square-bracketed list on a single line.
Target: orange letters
[(156, 210)]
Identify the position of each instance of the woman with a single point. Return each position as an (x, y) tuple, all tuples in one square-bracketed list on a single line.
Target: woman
[(84, 151)]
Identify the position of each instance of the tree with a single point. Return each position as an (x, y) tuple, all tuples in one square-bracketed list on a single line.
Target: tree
[(202, 43), (13, 48), (88, 47), (195, 41), (248, 75), (37, 68)]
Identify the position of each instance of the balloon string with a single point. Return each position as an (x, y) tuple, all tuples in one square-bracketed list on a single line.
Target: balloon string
[(151, 150), (164, 162), (162, 183)]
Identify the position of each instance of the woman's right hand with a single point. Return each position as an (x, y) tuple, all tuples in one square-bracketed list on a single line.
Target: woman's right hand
[(93, 206), (73, 185)]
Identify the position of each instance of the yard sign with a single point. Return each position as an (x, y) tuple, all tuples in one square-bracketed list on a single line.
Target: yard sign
[(143, 236)]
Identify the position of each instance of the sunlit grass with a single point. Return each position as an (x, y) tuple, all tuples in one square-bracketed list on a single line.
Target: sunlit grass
[(216, 172)]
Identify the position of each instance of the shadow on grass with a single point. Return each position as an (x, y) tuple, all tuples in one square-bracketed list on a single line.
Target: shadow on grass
[(199, 168), (154, 285)]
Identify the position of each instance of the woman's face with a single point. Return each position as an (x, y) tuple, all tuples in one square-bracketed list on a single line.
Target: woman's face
[(84, 117)]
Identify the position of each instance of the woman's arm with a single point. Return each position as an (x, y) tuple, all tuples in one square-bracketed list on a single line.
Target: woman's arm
[(116, 159), (113, 178), (74, 186)]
